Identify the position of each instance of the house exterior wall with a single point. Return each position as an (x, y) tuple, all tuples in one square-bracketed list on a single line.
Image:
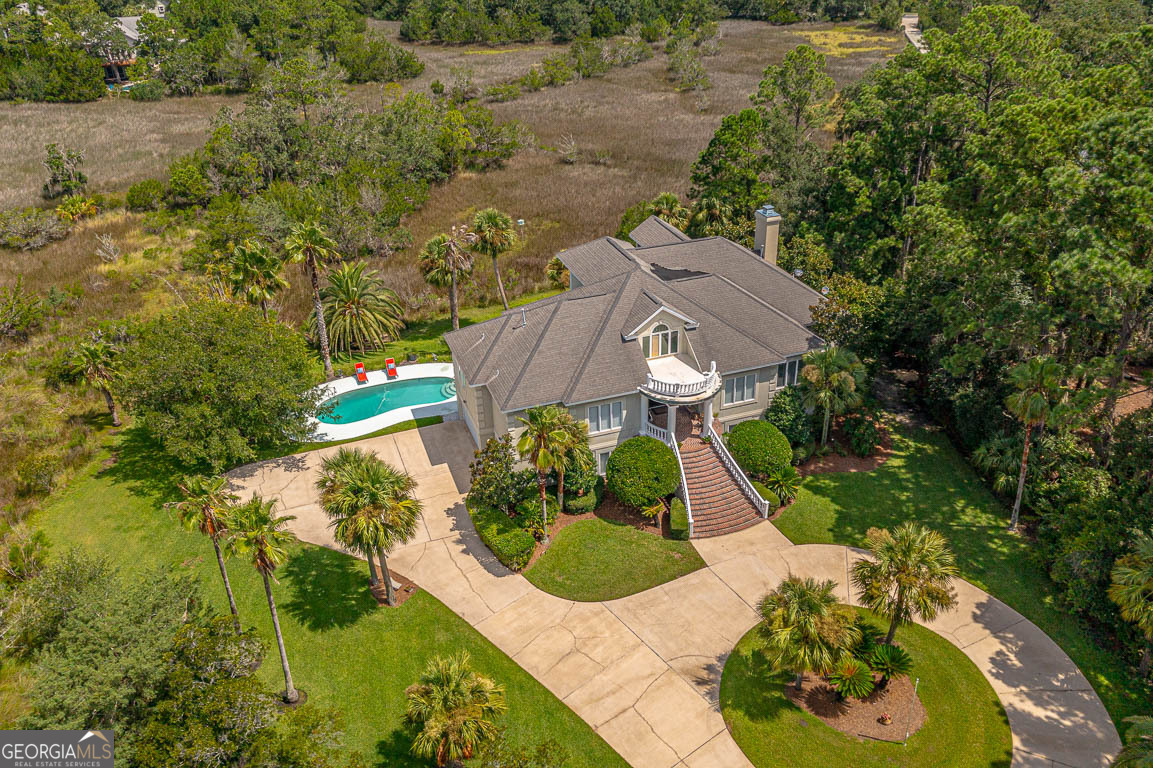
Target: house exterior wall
[(474, 404), (767, 388)]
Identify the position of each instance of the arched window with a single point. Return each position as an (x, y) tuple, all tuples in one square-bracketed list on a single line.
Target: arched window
[(661, 341)]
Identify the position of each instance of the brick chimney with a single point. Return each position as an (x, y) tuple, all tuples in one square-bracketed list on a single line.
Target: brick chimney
[(767, 231)]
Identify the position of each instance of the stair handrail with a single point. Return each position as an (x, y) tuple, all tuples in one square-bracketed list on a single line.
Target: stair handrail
[(735, 470), (684, 487)]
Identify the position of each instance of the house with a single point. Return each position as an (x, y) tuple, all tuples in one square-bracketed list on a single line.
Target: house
[(673, 337)]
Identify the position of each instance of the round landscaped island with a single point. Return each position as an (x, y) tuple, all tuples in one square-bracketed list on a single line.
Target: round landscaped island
[(963, 724)]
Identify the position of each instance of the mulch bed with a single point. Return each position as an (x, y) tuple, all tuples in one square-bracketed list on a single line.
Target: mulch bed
[(861, 718), (407, 589), (850, 462)]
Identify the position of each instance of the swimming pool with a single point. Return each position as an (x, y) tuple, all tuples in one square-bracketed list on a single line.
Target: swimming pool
[(373, 400)]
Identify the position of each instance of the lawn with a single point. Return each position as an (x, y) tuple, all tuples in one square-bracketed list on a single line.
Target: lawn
[(965, 725), (345, 651), (925, 479), (596, 559)]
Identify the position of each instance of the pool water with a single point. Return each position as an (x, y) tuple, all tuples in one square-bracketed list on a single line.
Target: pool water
[(366, 402)]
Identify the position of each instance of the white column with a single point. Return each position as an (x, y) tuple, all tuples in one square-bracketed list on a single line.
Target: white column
[(708, 430), (672, 422)]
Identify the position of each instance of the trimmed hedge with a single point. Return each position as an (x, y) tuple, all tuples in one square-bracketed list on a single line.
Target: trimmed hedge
[(578, 505), (767, 495), (642, 471), (758, 447), (511, 544)]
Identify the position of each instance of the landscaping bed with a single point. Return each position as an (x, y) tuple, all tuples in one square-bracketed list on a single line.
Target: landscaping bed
[(964, 725), (863, 719), (925, 479)]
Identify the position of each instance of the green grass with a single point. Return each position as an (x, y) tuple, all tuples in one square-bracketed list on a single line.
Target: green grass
[(293, 448), (345, 651), (965, 725), (596, 559), (425, 338), (925, 479)]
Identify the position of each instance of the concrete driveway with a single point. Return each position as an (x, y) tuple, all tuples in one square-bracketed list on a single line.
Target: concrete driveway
[(644, 671)]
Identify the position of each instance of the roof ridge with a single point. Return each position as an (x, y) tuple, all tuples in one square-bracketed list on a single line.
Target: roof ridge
[(495, 338), (532, 352), (594, 338), (771, 265)]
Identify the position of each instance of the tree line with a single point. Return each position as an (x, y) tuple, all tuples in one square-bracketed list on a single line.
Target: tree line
[(981, 218)]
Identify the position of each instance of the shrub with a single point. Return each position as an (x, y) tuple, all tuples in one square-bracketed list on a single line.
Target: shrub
[(147, 195), (76, 207), (758, 447), (511, 544), (588, 502), (149, 90), (368, 58), (642, 471), (37, 474), (863, 431), (502, 92), (655, 30), (528, 513), (890, 661), (21, 312), (534, 80), (494, 484), (770, 496), (579, 481), (187, 184), (64, 174), (784, 482), (31, 228), (588, 58), (556, 70), (786, 412), (852, 679)]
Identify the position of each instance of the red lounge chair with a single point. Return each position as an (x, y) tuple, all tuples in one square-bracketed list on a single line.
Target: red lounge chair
[(361, 374), (390, 368)]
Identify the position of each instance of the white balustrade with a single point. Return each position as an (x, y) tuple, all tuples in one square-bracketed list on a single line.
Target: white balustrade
[(680, 389), (742, 479), (662, 434)]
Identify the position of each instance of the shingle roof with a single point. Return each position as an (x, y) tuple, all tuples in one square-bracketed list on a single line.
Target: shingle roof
[(572, 348), (656, 231)]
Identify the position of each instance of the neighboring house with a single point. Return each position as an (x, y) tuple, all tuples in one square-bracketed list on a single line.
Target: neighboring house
[(116, 62), (673, 337)]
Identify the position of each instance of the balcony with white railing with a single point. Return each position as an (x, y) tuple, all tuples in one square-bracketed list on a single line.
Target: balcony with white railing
[(671, 379)]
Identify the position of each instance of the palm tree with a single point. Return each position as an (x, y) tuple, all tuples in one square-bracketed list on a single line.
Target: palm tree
[(207, 508), (709, 212), (494, 235), (443, 258), (95, 362), (805, 628), (358, 310), (574, 453), (1132, 591), (909, 574), (557, 273), (1138, 749), (542, 442), (260, 533), (308, 244), (455, 709), (668, 206), (254, 272), (1038, 384), (371, 506), (832, 380)]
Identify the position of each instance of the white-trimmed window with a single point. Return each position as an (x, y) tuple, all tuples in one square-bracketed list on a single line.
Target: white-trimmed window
[(741, 389), (603, 418), (661, 341), (787, 373), (603, 462)]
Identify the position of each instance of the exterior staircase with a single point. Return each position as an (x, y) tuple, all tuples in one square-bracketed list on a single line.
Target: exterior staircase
[(719, 505)]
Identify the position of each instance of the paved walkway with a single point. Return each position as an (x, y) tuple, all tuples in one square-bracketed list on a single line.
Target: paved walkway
[(645, 670), (911, 26)]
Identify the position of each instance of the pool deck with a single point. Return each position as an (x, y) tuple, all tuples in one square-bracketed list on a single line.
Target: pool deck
[(329, 432)]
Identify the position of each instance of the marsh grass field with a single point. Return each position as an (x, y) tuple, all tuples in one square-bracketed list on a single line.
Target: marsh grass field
[(637, 137)]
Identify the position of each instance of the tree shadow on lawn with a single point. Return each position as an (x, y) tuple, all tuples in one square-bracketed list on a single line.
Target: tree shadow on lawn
[(754, 688), (395, 750), (330, 590), (141, 464)]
